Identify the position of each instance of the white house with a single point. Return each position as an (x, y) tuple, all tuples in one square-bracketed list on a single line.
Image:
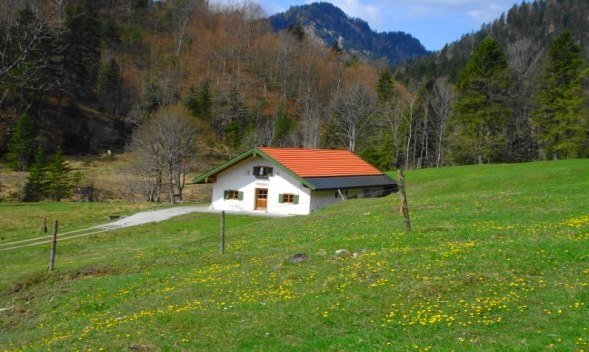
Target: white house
[(293, 181)]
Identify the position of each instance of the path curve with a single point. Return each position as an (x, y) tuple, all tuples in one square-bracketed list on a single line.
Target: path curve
[(141, 218)]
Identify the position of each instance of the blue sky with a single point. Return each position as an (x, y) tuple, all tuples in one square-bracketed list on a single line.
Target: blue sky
[(433, 22)]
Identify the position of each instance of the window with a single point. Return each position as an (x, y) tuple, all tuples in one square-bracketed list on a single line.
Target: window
[(233, 194), (288, 198), (263, 171)]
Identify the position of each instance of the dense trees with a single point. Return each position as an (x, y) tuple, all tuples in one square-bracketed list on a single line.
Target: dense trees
[(562, 125), (482, 107), (68, 68)]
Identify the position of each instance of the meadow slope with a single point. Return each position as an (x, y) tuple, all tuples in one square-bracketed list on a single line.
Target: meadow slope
[(498, 261)]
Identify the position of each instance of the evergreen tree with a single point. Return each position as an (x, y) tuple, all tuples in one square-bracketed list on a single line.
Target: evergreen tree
[(24, 62), (297, 30), (110, 84), (385, 88), (199, 101), (34, 189), (21, 144), (205, 100), (191, 101), (233, 134), (59, 177), (482, 107), (78, 50), (283, 127), (558, 117)]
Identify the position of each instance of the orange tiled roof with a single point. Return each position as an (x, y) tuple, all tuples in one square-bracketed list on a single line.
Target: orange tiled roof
[(321, 162)]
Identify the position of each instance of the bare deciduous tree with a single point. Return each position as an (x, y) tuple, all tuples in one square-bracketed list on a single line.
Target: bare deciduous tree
[(442, 96), (352, 114), (164, 143)]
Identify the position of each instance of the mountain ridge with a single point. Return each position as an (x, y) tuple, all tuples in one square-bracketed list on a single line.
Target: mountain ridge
[(331, 25)]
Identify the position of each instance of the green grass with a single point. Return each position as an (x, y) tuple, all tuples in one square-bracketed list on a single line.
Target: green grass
[(498, 260), (21, 221)]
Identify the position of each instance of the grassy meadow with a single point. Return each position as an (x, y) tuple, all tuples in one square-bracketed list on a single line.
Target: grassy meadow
[(498, 260)]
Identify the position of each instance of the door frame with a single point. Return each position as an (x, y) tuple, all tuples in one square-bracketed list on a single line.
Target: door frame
[(257, 194)]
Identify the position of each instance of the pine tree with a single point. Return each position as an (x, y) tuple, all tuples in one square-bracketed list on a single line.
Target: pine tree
[(191, 101), (283, 127), (110, 84), (385, 88), (78, 50), (59, 177), (482, 108), (34, 189), (205, 100), (21, 144), (199, 101), (558, 118)]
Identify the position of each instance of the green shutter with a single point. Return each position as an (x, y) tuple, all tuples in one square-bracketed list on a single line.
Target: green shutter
[(296, 199), (281, 198), (240, 195), (226, 195)]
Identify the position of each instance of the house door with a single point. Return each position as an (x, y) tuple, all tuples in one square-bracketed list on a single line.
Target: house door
[(261, 198)]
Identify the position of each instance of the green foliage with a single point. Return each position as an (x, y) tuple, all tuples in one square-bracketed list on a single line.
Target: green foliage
[(78, 50), (109, 88), (200, 100), (233, 134), (59, 177), (482, 108), (21, 146), (380, 153), (35, 187), (284, 125), (562, 124), (385, 88), (110, 33)]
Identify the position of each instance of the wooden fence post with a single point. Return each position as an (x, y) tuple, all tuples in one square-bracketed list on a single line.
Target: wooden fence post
[(53, 247), (223, 232), (403, 195), (44, 227)]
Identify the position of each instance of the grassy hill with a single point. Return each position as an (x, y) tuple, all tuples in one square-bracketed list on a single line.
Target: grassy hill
[(498, 261)]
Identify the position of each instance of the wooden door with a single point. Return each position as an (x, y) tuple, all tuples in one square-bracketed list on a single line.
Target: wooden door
[(261, 198)]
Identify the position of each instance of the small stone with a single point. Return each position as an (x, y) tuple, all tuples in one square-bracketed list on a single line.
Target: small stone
[(142, 347), (298, 258)]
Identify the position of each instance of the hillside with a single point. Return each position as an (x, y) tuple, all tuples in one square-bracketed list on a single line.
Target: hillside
[(331, 25), (497, 261), (525, 32)]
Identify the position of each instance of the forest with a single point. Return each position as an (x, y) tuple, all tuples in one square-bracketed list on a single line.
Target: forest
[(173, 80)]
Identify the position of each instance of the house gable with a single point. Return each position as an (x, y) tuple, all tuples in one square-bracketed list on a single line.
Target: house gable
[(209, 177)]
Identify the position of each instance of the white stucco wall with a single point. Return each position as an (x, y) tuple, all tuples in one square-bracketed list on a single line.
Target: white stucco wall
[(240, 177)]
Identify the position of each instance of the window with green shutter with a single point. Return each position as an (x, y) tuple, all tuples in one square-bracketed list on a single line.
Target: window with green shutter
[(233, 194), (288, 198)]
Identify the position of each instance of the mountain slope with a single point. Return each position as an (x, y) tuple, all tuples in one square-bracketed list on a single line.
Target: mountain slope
[(330, 24), (525, 32)]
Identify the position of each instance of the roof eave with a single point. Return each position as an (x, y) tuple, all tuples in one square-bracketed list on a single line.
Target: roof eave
[(252, 152)]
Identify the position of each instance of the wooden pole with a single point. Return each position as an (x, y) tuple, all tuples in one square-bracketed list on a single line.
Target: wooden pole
[(44, 227), (53, 247), (403, 195), (223, 232)]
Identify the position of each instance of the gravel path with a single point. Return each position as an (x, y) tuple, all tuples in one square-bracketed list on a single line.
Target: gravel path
[(140, 218), (157, 215)]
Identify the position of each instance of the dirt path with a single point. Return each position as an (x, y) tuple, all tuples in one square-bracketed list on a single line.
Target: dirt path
[(140, 218)]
